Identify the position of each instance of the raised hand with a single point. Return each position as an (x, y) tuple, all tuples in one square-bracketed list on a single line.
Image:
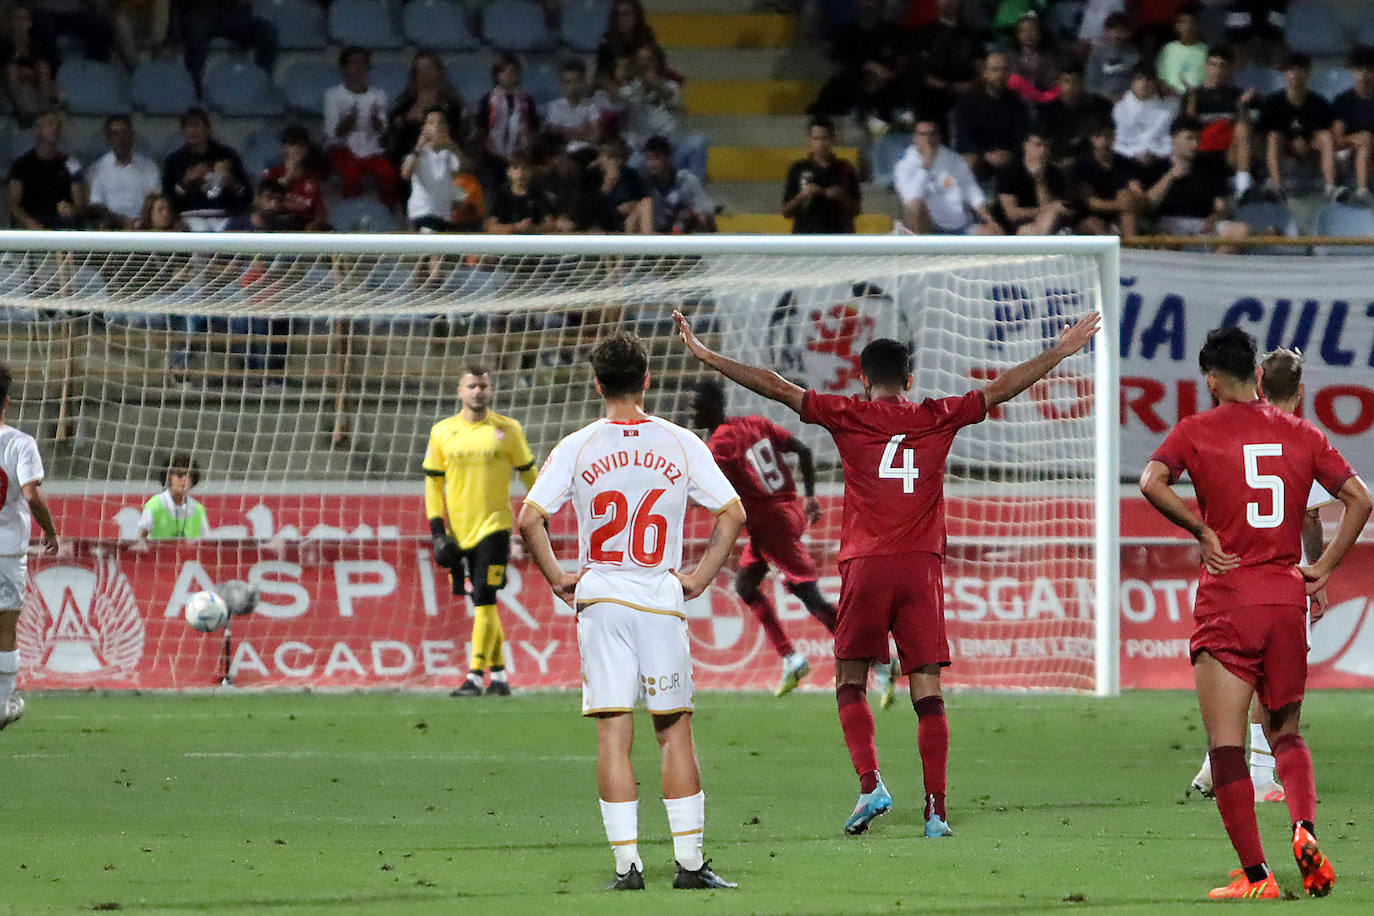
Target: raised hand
[(689, 337), (1075, 337)]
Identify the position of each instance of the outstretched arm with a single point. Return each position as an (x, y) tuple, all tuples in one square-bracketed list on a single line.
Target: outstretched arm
[(759, 380), (1154, 484), (1018, 378)]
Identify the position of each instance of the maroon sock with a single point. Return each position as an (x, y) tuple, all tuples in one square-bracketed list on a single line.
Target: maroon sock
[(1236, 801), (763, 609), (1293, 763), (856, 720), (932, 741)]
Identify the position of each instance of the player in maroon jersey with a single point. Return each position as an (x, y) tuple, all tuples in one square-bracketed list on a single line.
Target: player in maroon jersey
[(749, 451), (892, 538), (1252, 466)]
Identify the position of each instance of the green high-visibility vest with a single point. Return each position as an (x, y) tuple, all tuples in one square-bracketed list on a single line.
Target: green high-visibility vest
[(173, 521)]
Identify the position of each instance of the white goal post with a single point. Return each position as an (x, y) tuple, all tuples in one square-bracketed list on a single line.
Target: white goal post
[(302, 372)]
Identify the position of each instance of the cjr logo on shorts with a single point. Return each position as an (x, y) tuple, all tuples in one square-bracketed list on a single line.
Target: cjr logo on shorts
[(80, 623)]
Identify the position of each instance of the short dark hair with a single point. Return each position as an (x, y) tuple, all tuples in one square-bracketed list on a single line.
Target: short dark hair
[(351, 51), (1282, 374), (574, 64), (659, 145), (1117, 19), (1185, 122), (710, 391), (6, 379), (821, 120), (1230, 351), (180, 461), (195, 113), (295, 135), (620, 364), (271, 186), (1362, 56), (503, 60), (1074, 67), (1297, 60), (476, 369), (112, 120), (886, 362), (1225, 52)]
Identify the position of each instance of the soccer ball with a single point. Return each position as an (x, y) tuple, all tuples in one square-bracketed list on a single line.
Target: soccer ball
[(206, 611)]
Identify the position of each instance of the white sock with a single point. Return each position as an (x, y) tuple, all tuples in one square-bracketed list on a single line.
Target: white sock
[(1243, 182), (1261, 758), (687, 822), (498, 676), (621, 820), (794, 659), (1206, 764), (9, 670)]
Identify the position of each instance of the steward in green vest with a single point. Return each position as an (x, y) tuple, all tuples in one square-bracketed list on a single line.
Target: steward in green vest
[(173, 513)]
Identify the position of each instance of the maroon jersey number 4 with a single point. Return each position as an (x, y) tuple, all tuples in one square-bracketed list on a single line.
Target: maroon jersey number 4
[(893, 452)]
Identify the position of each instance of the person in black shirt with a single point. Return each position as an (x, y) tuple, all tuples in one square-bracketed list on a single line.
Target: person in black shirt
[(990, 121), (1067, 119), (870, 70), (516, 207), (945, 54), (1032, 194), (1106, 184), (621, 201), (46, 190), (822, 191), (1224, 111), (204, 178), (1188, 197), (1353, 128), (1297, 124)]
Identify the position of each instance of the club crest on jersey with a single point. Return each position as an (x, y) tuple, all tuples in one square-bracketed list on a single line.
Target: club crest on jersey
[(81, 622), (629, 433)]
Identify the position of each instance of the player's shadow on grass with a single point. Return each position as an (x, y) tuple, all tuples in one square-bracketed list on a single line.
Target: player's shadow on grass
[(430, 894)]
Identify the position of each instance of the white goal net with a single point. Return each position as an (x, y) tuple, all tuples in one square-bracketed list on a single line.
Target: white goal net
[(302, 373)]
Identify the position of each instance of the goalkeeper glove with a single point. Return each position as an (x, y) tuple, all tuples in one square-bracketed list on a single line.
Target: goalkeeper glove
[(446, 552)]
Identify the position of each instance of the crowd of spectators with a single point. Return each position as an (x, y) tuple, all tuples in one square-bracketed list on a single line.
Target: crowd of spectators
[(1129, 122), (609, 155)]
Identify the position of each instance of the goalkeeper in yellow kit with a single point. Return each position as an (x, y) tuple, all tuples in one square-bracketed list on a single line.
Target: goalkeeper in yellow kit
[(467, 497)]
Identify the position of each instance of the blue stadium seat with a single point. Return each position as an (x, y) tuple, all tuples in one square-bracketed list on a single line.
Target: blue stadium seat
[(1330, 80), (162, 87), (366, 23), (1314, 28), (91, 87), (1364, 33), (300, 23), (1270, 218), (238, 88), (541, 79), (390, 76), (1063, 18), (438, 25), (361, 214), (470, 74), (1264, 80), (304, 83), (259, 150), (516, 25), (584, 22), (1344, 221)]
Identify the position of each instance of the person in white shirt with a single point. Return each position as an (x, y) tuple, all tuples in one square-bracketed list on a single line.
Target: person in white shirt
[(1142, 119), (939, 193), (580, 115), (121, 179), (430, 168), (630, 478), (22, 468), (354, 121)]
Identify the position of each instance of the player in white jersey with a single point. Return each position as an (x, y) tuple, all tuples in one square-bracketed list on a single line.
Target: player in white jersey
[(21, 474), (630, 477), (1281, 383)]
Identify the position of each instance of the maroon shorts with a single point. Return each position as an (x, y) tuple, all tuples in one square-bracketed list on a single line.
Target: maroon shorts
[(902, 594), (775, 537), (1264, 645)]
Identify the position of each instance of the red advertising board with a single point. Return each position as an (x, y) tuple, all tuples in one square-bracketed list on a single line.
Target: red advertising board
[(350, 608)]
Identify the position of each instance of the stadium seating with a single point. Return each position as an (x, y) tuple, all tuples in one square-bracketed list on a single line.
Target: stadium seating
[(239, 88), (366, 23), (361, 214), (162, 87), (584, 22), (438, 25), (300, 23), (541, 78), (1314, 28), (1330, 80), (259, 150), (390, 76), (1344, 221), (304, 83), (516, 25), (470, 73), (93, 87), (1264, 80)]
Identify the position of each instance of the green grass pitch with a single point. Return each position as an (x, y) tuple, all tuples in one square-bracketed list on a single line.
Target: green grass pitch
[(417, 803)]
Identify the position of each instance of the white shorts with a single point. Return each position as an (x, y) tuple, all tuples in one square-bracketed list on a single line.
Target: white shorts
[(628, 654), (14, 581)]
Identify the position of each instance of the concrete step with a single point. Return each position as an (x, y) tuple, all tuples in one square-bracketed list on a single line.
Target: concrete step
[(776, 224), (749, 130), (760, 163), (696, 6), (724, 30), (766, 197), (749, 63), (746, 97)]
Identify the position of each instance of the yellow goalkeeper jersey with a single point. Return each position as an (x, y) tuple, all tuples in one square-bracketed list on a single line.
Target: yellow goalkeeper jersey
[(475, 461)]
